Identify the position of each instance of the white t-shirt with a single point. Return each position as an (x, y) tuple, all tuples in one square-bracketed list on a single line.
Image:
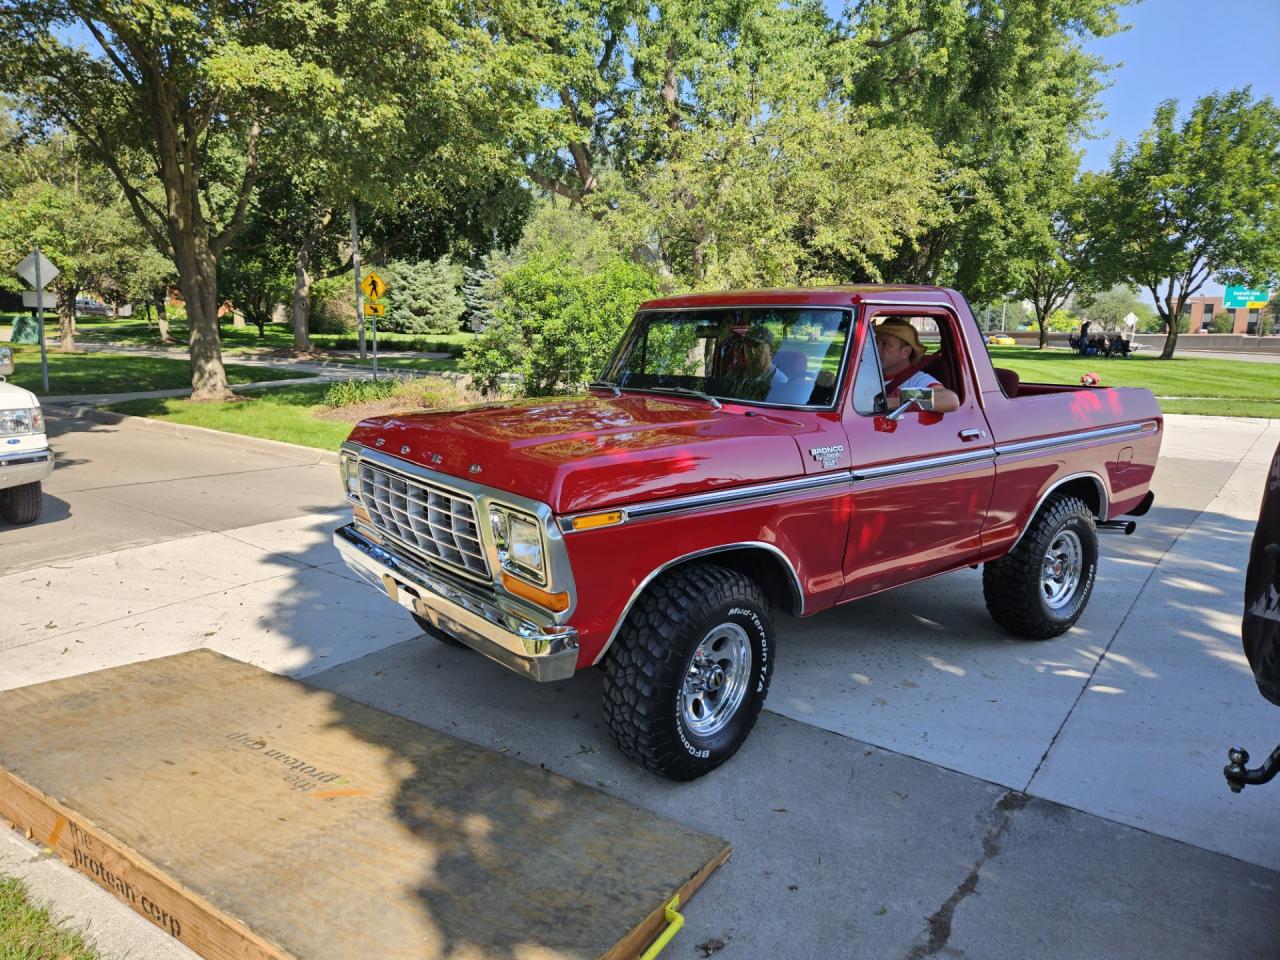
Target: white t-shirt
[(919, 381)]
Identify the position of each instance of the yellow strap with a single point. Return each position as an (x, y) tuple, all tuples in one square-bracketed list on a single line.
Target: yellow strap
[(674, 922)]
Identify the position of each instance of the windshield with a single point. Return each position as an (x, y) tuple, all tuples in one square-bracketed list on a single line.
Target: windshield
[(770, 355)]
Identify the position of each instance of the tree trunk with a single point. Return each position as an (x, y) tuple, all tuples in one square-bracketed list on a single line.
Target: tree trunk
[(301, 298), (198, 278), (302, 282), (162, 317), (1171, 338), (67, 318)]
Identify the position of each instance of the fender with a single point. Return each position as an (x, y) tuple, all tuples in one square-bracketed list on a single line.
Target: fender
[(796, 591), (1103, 501)]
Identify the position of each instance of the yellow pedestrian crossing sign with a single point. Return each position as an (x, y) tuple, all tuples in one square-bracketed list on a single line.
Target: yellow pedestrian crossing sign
[(374, 287), (373, 309)]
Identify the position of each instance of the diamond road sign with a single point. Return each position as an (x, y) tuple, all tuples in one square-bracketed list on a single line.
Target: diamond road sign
[(1233, 298), (27, 269), (373, 286)]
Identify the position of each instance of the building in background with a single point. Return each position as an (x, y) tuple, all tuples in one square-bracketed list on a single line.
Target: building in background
[(1202, 310)]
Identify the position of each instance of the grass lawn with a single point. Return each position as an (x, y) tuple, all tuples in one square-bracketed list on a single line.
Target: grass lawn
[(72, 373), (1224, 388), (28, 933), (281, 413)]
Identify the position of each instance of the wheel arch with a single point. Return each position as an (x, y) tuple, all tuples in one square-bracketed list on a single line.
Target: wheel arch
[(764, 563), (1088, 486)]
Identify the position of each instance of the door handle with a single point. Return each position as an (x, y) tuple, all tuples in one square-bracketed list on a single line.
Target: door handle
[(968, 435)]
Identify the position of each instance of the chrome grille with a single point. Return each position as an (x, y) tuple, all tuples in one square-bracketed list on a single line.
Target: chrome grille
[(432, 520)]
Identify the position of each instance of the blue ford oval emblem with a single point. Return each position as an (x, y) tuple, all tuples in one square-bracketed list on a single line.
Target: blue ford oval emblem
[(13, 441)]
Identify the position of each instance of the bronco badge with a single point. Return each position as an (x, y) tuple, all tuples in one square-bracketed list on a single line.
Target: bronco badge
[(827, 456)]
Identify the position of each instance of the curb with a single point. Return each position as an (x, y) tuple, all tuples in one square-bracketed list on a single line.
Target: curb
[(295, 451)]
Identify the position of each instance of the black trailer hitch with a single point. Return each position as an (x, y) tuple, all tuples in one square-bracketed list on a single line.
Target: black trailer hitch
[(1238, 777)]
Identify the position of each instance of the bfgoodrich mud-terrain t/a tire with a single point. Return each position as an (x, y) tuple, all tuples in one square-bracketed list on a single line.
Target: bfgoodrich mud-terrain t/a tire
[(21, 504), (689, 671), (1042, 586)]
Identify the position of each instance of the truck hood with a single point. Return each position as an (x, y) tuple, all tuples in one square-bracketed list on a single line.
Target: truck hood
[(584, 453), (13, 397)]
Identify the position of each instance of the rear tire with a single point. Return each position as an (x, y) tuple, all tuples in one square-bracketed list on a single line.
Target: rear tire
[(431, 630), (1039, 590), (689, 671), (22, 504)]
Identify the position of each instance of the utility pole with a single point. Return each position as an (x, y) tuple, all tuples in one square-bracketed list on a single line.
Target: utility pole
[(355, 260), (44, 357)]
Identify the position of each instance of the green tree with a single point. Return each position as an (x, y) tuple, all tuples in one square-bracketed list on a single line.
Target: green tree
[(557, 325), (1006, 90), (1108, 308), (1053, 261), (1224, 321), (1062, 321), (203, 98), (74, 211), (1192, 201), (424, 297)]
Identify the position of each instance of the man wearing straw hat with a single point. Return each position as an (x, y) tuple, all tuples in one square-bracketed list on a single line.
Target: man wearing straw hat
[(901, 353)]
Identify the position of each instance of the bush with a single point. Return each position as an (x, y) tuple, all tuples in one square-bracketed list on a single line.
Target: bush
[(345, 393), (1061, 322), (557, 325), (423, 297), (333, 305), (1224, 321), (419, 344), (416, 393)]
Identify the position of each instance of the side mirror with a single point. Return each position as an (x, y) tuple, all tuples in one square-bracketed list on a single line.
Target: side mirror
[(6, 361), (919, 397)]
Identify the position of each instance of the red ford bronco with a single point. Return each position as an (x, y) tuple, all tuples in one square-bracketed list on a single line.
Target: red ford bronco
[(741, 454)]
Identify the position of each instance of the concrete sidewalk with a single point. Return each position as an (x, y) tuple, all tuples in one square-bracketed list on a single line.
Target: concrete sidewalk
[(919, 785)]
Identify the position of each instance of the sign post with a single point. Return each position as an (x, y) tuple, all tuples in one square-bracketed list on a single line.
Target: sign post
[(37, 271), (373, 287)]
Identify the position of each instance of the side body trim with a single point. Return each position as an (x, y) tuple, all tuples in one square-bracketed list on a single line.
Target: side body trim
[(1006, 449), (644, 584), (780, 487)]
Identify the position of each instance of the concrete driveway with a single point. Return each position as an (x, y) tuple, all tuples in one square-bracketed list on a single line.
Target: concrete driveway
[(919, 785)]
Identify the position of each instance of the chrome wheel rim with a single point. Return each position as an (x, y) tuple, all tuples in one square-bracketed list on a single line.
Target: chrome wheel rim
[(716, 681), (1060, 571)]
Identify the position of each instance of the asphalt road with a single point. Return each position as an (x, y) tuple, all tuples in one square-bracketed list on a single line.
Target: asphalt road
[(919, 785)]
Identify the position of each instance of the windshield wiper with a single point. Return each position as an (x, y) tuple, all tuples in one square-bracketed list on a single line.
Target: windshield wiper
[(685, 392), (606, 385)]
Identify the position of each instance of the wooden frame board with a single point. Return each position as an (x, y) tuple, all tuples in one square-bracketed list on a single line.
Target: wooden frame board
[(252, 817)]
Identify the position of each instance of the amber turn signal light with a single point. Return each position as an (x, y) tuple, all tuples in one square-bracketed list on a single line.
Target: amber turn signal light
[(592, 520), (555, 602)]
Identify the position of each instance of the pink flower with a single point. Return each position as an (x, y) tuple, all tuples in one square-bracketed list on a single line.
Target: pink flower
[(1090, 379)]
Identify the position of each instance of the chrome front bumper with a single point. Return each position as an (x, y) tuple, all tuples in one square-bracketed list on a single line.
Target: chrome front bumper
[(26, 466), (542, 651)]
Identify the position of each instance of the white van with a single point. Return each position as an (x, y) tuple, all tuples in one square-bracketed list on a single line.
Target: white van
[(25, 458)]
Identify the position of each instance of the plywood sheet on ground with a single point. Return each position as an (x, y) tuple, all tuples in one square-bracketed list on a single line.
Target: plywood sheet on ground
[(253, 816)]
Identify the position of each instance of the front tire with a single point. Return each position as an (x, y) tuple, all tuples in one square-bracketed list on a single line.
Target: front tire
[(689, 671), (1040, 589), (435, 633), (22, 504)]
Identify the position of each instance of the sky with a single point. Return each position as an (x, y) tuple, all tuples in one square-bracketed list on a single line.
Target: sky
[(1182, 49), (1179, 49)]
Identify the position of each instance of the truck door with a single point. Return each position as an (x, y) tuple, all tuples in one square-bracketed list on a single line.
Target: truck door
[(922, 483)]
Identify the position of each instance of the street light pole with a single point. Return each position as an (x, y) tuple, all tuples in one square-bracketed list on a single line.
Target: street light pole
[(355, 261)]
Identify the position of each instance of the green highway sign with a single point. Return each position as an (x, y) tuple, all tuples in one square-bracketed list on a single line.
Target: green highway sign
[(1233, 298)]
